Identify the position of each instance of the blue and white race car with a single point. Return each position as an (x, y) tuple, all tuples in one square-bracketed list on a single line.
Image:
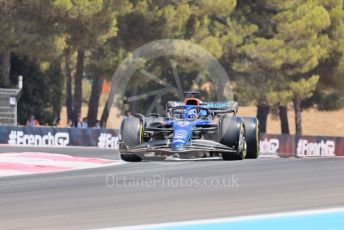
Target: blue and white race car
[(191, 127)]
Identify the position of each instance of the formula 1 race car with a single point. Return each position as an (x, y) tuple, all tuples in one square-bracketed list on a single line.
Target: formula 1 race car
[(191, 127)]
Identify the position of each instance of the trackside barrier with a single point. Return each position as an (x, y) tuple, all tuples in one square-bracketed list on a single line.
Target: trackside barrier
[(58, 137), (301, 146), (271, 145)]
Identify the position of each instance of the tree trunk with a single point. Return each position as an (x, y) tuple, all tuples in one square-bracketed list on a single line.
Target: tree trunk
[(133, 104), (283, 114), (78, 82), (69, 96), (108, 105), (93, 103), (5, 68), (297, 108), (105, 113), (262, 115)]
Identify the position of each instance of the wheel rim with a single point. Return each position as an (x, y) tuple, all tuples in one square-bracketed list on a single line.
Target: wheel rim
[(141, 134), (242, 142)]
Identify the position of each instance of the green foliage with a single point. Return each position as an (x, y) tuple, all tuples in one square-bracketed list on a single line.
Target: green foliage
[(304, 88), (273, 50), (295, 46), (30, 28), (328, 100), (41, 95), (87, 23)]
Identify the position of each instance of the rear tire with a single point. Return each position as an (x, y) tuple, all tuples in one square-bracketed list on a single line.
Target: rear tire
[(232, 131), (131, 135), (252, 137)]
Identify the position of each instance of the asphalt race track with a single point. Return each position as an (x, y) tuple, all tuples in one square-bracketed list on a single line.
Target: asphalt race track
[(156, 192)]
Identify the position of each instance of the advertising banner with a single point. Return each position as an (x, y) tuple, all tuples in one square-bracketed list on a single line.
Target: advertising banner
[(301, 146), (58, 137), (277, 145), (271, 145), (318, 146)]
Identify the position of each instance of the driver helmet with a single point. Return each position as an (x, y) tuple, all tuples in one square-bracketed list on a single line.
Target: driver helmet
[(192, 113), (203, 113)]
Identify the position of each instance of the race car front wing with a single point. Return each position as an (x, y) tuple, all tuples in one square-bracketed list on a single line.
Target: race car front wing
[(164, 146)]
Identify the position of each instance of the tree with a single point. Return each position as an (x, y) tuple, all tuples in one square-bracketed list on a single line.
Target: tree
[(87, 24), (255, 76), (210, 25), (307, 45), (27, 32), (294, 48), (280, 99), (69, 83), (302, 89), (103, 61), (328, 94), (31, 45), (41, 94)]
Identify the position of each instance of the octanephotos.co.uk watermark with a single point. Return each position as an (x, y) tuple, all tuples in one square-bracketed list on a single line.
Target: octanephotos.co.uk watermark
[(114, 181)]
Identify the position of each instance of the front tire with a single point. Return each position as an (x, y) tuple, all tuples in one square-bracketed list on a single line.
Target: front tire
[(232, 131), (131, 135), (130, 157), (131, 131)]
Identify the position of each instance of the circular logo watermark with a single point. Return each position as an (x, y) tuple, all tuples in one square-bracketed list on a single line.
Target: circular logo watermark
[(171, 50)]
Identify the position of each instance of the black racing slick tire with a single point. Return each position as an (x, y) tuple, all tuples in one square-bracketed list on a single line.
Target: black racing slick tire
[(131, 135), (131, 131), (130, 157), (252, 137), (232, 134)]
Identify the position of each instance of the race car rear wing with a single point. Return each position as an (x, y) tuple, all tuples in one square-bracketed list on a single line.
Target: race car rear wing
[(222, 107)]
